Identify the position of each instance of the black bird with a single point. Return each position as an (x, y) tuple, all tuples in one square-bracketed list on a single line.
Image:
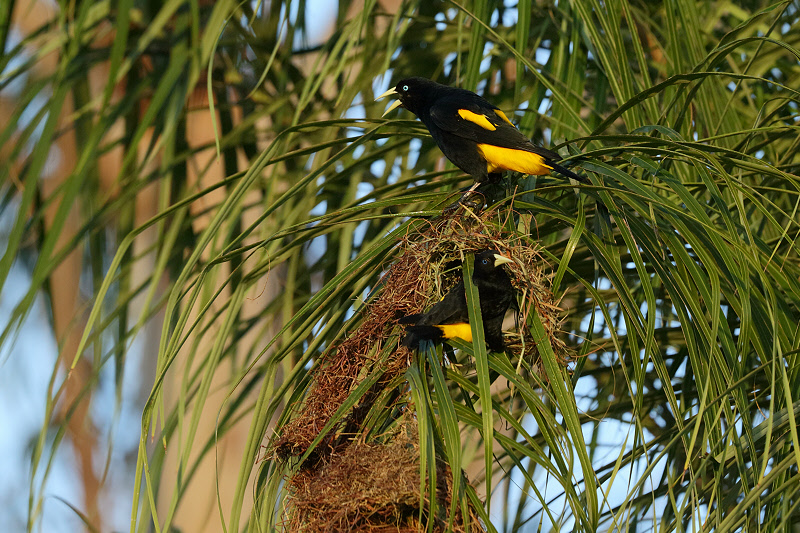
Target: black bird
[(472, 133), (449, 317)]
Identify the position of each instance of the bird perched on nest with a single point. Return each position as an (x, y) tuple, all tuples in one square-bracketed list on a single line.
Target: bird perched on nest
[(449, 318), (472, 133)]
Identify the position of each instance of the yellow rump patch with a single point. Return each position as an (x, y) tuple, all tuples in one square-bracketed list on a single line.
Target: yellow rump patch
[(460, 331), (475, 118), (498, 158), (503, 116)]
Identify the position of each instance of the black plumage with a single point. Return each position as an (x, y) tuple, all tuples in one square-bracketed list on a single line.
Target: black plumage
[(449, 317), (472, 133)]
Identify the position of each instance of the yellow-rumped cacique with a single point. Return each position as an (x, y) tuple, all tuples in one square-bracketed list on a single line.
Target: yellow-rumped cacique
[(472, 133), (449, 318)]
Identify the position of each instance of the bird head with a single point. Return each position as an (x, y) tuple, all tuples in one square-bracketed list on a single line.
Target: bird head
[(489, 260), (413, 94)]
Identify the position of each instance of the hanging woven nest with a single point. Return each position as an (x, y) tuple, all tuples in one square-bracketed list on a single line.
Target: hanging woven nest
[(373, 487), (349, 482), (420, 275)]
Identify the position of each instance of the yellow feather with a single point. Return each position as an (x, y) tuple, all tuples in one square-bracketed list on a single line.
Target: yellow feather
[(498, 158), (503, 116), (475, 118), (460, 331)]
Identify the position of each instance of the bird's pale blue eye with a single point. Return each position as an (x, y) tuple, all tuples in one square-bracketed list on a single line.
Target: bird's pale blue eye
[(405, 87)]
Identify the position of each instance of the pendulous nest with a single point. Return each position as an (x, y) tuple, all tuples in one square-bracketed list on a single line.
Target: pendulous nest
[(350, 485), (341, 368), (415, 279), (372, 487)]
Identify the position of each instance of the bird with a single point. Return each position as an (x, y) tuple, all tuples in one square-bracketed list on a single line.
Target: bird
[(449, 318), (472, 133)]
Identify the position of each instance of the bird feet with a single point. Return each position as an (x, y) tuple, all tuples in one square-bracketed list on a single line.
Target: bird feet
[(471, 198)]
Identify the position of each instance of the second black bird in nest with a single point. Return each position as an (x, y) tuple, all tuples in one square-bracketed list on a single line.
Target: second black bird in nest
[(449, 318)]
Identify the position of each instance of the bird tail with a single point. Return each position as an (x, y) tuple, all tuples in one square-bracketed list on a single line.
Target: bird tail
[(602, 210), (416, 335), (564, 171)]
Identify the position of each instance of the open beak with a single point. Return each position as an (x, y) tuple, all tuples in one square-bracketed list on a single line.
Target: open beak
[(394, 105), (500, 260)]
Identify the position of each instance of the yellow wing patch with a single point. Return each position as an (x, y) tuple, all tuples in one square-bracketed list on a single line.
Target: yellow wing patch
[(475, 118), (459, 331), (498, 158), (503, 116)]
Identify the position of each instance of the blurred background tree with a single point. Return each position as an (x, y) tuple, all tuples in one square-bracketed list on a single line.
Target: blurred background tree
[(182, 183)]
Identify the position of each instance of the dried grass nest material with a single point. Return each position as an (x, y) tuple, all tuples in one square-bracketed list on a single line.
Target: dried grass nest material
[(412, 283), (341, 367), (370, 488)]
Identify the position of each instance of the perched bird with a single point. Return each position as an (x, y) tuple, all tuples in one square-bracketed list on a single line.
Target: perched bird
[(449, 317), (472, 133)]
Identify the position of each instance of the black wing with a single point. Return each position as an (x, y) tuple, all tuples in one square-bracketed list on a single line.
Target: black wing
[(476, 121), (451, 309)]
